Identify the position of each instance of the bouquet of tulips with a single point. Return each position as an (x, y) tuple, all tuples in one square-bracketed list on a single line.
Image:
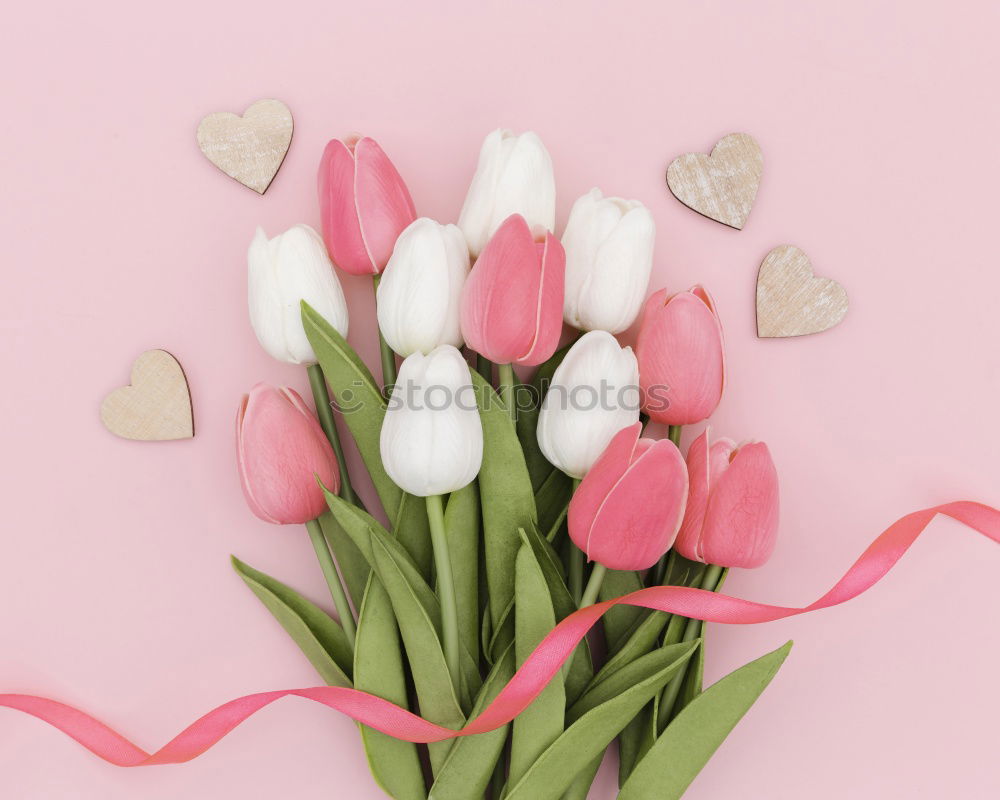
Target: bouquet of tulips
[(514, 481)]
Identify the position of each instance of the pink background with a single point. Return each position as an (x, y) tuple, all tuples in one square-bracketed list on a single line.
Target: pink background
[(878, 123)]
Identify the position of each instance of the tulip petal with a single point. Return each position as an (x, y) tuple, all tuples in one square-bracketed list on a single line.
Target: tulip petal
[(591, 398), (680, 351), (500, 300), (384, 205), (741, 521), (282, 451), (611, 297), (548, 316), (639, 519), (339, 212), (418, 295), (598, 483)]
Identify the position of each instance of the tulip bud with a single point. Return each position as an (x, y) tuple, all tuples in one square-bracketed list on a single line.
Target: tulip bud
[(432, 439), (363, 203), (511, 304), (514, 176), (732, 511), (420, 291), (282, 452), (593, 395), (628, 509), (681, 361), (609, 256), (291, 267)]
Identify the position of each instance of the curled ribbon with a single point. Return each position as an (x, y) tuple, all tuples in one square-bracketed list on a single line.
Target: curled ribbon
[(528, 681)]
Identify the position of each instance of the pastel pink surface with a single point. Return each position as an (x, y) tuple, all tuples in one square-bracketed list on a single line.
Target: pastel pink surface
[(119, 236)]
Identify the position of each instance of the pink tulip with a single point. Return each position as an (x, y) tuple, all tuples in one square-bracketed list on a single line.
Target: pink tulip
[(282, 451), (682, 368), (628, 509), (732, 511), (364, 205), (512, 301)]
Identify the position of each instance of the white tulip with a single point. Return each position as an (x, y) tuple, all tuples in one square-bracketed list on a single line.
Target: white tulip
[(609, 256), (594, 394), (291, 267), (432, 439), (514, 176), (420, 289)]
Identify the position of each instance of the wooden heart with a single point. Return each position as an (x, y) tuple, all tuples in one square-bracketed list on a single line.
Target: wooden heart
[(248, 148), (156, 406), (791, 300), (723, 185)]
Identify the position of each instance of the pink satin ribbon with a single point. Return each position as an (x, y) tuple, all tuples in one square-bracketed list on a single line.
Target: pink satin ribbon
[(529, 680)]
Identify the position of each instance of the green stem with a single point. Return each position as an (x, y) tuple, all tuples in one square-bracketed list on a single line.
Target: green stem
[(388, 357), (332, 580), (709, 582), (674, 434), (446, 585), (551, 535), (506, 388), (575, 564), (594, 585), (324, 411), (662, 568)]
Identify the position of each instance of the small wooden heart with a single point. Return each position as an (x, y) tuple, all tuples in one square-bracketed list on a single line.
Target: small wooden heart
[(156, 406), (722, 186), (248, 148), (791, 300)]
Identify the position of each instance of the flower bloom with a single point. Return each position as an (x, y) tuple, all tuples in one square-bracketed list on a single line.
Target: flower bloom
[(420, 291), (593, 395), (628, 509), (512, 301), (432, 439), (363, 203), (282, 451), (282, 271), (609, 256), (681, 361), (514, 176), (732, 511)]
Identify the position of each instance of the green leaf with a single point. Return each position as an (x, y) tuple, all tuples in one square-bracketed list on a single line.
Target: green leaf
[(365, 530), (580, 788), (584, 740), (363, 409), (379, 670), (641, 641), (467, 770), (694, 674), (628, 676), (360, 527), (434, 687), (358, 396), (619, 620), (507, 498), (316, 633), (540, 724), (461, 523), (412, 529), (353, 565), (690, 740), (552, 501), (581, 668), (636, 739)]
